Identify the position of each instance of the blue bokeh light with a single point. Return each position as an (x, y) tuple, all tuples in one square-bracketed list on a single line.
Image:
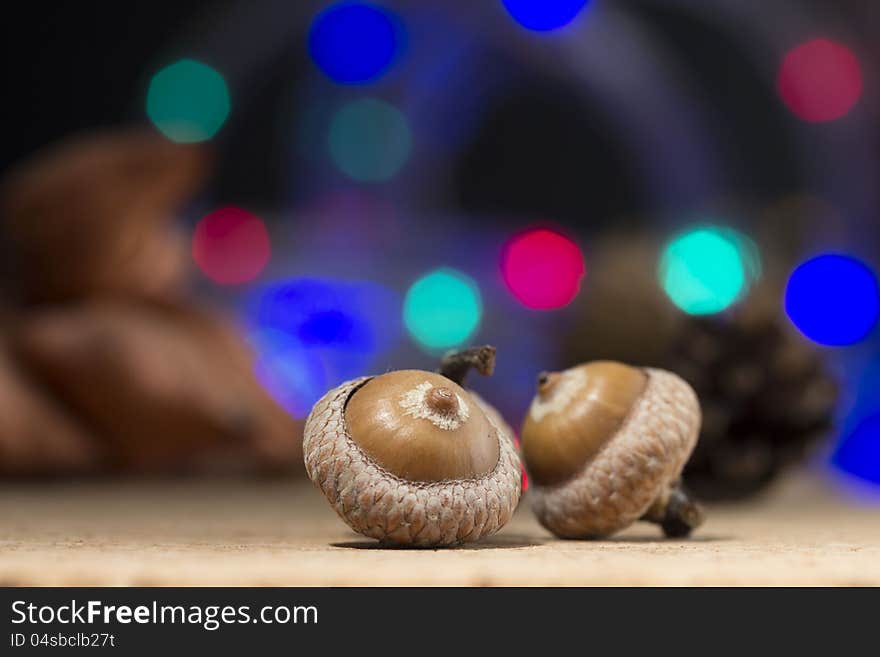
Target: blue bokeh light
[(859, 452), (292, 374), (312, 334), (355, 42), (833, 299), (544, 15), (857, 448)]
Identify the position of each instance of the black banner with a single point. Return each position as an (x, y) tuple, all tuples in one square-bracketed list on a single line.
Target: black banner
[(454, 621)]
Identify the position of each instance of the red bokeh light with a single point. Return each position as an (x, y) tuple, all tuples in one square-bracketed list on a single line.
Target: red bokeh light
[(231, 246), (542, 268), (820, 80)]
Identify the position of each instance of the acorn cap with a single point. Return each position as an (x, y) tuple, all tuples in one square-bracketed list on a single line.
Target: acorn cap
[(604, 441), (410, 459)]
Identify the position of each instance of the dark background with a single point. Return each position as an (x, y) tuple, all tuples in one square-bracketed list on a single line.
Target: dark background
[(510, 137), (75, 66)]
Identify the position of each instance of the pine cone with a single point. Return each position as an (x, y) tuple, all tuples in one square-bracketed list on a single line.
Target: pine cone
[(766, 396)]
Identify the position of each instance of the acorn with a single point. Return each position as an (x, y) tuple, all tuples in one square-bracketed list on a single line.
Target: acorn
[(93, 216), (161, 387), (411, 458), (38, 434), (604, 445)]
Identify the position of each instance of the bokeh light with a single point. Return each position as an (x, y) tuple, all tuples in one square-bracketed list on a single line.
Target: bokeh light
[(442, 309), (749, 255), (542, 268), (312, 334), (859, 452), (543, 15), (706, 269), (231, 246), (833, 299), (293, 375), (820, 80), (188, 101), (857, 449), (369, 140), (355, 42)]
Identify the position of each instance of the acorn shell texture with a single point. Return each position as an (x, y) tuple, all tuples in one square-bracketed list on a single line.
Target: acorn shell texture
[(421, 426), (632, 470), (395, 510)]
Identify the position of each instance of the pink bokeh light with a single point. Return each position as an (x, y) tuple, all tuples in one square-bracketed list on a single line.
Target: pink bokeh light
[(231, 246), (820, 80), (542, 268)]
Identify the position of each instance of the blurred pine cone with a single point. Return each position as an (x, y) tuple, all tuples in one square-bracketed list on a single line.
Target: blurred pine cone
[(766, 397)]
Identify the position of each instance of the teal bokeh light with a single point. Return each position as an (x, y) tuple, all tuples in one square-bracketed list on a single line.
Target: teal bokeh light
[(188, 101), (369, 140), (442, 309), (706, 269)]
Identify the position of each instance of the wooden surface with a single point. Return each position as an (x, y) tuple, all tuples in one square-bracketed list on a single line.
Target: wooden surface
[(259, 533)]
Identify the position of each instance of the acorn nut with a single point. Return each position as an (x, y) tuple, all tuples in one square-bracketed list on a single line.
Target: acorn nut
[(410, 458), (604, 445)]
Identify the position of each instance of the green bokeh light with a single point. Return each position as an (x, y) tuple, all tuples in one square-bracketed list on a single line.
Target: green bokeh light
[(442, 309), (706, 269), (188, 101), (369, 140)]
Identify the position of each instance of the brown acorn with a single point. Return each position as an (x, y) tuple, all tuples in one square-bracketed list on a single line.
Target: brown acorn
[(604, 445), (38, 435), (163, 387), (410, 458), (94, 216)]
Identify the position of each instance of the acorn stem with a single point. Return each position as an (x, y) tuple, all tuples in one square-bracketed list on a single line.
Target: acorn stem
[(679, 515), (455, 365)]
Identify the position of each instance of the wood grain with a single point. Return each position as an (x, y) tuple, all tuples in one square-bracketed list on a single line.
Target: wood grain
[(284, 533)]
